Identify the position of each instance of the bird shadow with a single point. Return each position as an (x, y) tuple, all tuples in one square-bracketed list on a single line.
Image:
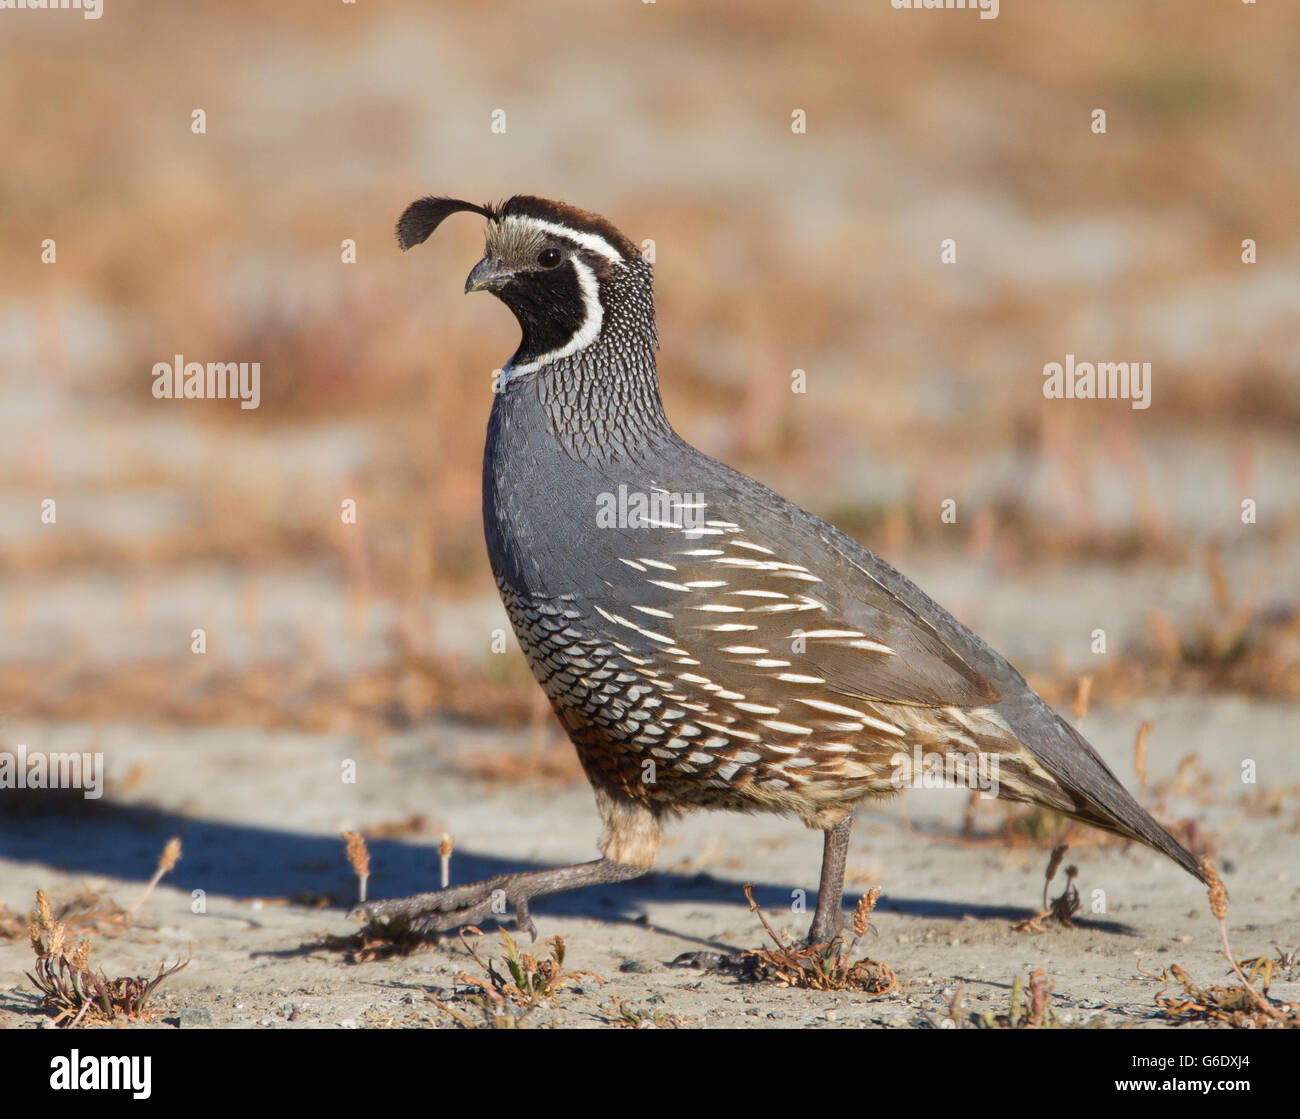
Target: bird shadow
[(246, 861)]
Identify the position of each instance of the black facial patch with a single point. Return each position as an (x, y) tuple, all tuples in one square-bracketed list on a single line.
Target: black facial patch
[(549, 306)]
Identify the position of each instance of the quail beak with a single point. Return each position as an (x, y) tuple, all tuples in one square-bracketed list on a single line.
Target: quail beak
[(488, 275)]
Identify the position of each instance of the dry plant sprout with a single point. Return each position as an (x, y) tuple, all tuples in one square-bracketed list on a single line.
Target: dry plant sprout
[(822, 967), (62, 974), (381, 940), (1238, 1006), (170, 856), (90, 911), (374, 941), (74, 992), (359, 858), (621, 1013), (1029, 1008), (1061, 909), (444, 859), (503, 1003)]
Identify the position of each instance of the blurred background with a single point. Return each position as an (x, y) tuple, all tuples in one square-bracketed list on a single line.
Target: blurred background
[(775, 251)]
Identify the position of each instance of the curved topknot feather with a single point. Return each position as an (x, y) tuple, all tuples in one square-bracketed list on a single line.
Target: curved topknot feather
[(421, 218)]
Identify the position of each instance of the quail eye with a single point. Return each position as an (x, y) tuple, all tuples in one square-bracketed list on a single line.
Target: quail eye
[(548, 258)]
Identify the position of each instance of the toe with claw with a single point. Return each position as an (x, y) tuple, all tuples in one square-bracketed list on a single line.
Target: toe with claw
[(453, 907), (457, 906)]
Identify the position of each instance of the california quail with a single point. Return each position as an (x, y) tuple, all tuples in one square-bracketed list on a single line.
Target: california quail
[(705, 642)]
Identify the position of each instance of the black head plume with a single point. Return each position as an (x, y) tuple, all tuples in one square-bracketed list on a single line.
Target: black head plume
[(421, 218)]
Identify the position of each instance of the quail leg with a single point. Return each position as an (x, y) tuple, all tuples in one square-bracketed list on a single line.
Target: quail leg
[(829, 918), (827, 921), (467, 905)]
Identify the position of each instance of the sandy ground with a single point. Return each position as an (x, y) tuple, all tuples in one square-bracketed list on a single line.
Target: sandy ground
[(259, 816)]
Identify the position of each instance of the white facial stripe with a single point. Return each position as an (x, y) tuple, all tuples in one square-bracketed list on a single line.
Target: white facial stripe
[(586, 334), (590, 241)]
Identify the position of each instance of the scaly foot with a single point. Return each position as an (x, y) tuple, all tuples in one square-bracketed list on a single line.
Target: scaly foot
[(457, 906)]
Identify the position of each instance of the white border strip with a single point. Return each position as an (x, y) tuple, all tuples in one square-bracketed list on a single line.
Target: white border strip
[(590, 241)]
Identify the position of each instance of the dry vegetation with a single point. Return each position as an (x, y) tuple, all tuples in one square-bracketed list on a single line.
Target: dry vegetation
[(376, 388), (820, 967), (1029, 1008), (1242, 642), (496, 1001), (73, 993), (625, 1015), (1239, 1006), (1061, 909)]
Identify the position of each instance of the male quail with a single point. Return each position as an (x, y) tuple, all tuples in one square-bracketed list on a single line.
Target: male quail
[(705, 642)]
